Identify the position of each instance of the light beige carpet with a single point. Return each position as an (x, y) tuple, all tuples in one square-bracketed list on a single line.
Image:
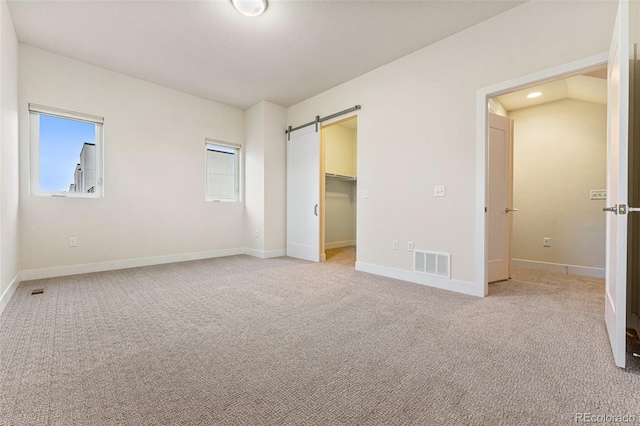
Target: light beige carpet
[(243, 341)]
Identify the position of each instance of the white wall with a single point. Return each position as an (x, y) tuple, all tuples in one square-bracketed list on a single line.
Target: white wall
[(254, 177), (9, 240), (266, 165), (416, 129), (154, 169), (560, 154), (275, 178)]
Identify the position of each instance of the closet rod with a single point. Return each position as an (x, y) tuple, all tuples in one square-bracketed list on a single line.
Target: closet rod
[(341, 177), (320, 120)]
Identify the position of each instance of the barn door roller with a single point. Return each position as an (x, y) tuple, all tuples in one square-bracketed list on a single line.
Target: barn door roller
[(319, 120)]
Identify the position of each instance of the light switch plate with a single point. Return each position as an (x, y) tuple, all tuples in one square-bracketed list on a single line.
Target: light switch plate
[(439, 191), (598, 194)]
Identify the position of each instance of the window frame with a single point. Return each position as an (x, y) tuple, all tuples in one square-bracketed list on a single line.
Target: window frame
[(237, 171), (35, 111)]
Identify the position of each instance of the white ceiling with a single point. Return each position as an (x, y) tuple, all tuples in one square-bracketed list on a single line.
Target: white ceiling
[(297, 49), (590, 87)]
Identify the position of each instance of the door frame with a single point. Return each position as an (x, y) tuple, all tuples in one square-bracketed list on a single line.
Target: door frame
[(323, 182), (482, 123)]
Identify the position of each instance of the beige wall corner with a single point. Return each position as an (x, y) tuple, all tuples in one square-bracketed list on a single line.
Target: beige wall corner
[(154, 171), (254, 182), (275, 171), (265, 179), (560, 155), (9, 191)]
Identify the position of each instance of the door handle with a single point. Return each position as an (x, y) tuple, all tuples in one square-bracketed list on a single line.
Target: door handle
[(315, 210), (621, 209), (507, 210)]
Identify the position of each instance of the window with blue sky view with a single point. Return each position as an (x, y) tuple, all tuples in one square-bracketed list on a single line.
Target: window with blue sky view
[(61, 144)]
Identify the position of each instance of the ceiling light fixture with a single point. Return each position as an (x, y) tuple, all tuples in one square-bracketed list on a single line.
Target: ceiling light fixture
[(250, 7), (534, 95)]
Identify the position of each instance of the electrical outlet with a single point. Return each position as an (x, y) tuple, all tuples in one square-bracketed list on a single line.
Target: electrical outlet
[(396, 245), (365, 194), (257, 233), (546, 242), (410, 246), (439, 191), (598, 194), (73, 242)]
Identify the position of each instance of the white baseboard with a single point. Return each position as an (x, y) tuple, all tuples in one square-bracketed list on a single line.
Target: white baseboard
[(338, 244), (6, 296), (269, 254), (420, 278), (61, 271), (558, 267)]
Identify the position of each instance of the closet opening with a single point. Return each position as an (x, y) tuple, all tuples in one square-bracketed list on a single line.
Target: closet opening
[(339, 180)]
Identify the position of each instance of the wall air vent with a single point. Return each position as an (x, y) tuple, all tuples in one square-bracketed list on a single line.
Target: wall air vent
[(432, 263)]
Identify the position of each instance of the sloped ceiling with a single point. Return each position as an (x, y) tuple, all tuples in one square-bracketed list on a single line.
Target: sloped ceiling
[(589, 87), (297, 49)]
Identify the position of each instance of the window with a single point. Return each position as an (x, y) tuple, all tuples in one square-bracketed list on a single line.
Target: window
[(65, 153), (223, 165)]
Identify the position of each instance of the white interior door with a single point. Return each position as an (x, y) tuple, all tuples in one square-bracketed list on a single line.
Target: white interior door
[(303, 194), (499, 197), (617, 184)]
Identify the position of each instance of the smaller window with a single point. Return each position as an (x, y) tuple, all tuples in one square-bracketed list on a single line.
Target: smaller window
[(222, 171), (65, 153)]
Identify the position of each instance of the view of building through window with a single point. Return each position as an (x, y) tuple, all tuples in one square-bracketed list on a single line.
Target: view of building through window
[(67, 155), (84, 178)]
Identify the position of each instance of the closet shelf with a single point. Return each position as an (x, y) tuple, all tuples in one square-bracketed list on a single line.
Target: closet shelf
[(340, 177)]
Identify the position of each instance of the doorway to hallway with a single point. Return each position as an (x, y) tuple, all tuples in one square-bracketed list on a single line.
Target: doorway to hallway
[(547, 177)]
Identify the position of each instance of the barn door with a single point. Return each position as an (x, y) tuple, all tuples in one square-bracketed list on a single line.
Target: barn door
[(303, 194)]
